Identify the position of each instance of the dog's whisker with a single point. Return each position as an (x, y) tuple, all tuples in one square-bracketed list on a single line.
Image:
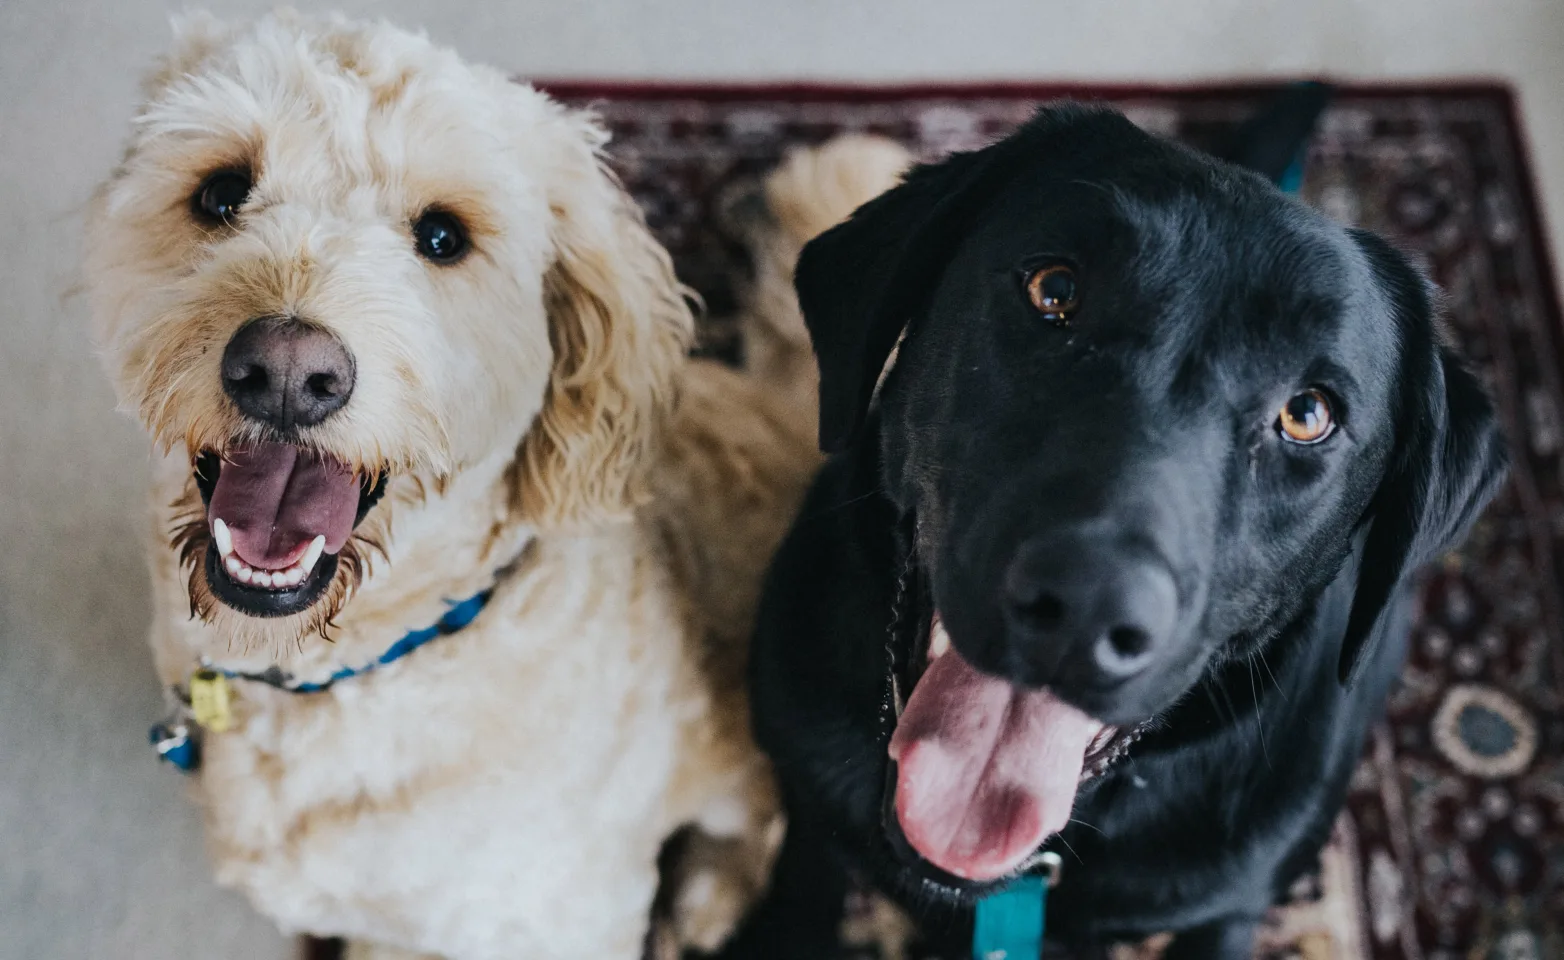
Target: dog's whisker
[(833, 508), (1072, 850), (1259, 722), (1260, 652)]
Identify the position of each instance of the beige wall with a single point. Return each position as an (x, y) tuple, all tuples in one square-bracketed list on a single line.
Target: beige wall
[(99, 854)]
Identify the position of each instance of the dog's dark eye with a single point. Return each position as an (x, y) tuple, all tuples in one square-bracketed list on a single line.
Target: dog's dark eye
[(1306, 418), (1052, 291), (222, 194), (440, 237)]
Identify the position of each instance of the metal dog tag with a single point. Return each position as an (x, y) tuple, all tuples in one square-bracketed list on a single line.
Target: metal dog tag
[(211, 700)]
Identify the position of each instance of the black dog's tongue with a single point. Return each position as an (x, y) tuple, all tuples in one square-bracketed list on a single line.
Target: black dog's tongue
[(986, 771), (276, 498)]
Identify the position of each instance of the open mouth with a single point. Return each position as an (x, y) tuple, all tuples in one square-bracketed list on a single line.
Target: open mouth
[(982, 772), (279, 516)]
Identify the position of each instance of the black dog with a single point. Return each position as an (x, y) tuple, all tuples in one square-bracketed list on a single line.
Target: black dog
[(1137, 508)]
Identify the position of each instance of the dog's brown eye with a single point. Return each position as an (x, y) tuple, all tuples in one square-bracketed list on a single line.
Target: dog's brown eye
[(440, 237), (1306, 418), (1052, 291), (221, 195)]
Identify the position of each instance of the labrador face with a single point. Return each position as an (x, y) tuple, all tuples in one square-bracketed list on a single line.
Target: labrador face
[(1143, 408)]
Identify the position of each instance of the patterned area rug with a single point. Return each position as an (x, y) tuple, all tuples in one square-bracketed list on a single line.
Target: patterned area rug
[(1453, 842)]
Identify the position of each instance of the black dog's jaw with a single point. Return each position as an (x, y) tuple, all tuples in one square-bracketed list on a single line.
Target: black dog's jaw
[(1159, 445)]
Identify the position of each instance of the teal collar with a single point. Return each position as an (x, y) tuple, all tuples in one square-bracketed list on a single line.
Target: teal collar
[(178, 739), (1010, 922), (459, 616)]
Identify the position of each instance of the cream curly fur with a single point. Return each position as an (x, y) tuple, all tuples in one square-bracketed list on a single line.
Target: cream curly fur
[(505, 791)]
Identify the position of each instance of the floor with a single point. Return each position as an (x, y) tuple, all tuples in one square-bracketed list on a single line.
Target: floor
[(100, 854)]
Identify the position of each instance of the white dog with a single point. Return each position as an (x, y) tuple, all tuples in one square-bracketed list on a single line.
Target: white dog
[(452, 591)]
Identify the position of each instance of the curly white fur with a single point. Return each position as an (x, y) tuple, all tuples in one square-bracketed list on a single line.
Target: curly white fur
[(505, 791)]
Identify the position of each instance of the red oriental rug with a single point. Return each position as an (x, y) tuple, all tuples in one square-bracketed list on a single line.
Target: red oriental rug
[(1452, 847)]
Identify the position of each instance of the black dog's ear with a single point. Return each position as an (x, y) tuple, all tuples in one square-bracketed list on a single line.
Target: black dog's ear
[(860, 282), (1449, 454)]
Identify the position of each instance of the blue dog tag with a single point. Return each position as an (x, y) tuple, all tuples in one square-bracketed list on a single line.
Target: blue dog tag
[(176, 744), (1010, 922)]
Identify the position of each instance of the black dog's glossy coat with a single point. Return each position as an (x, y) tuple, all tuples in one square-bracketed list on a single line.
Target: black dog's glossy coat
[(1207, 299)]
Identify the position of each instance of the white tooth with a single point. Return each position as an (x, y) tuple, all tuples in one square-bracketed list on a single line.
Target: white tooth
[(233, 565), (316, 548), (225, 540), (263, 579), (295, 576), (244, 574), (939, 642)]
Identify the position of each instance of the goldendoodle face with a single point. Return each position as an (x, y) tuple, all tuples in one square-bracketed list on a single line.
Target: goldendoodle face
[(336, 257)]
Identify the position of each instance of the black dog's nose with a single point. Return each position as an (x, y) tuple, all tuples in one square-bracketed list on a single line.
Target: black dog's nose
[(287, 374), (1085, 609)]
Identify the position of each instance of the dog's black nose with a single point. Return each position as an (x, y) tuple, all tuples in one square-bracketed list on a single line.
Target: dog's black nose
[(287, 374), (1085, 609)]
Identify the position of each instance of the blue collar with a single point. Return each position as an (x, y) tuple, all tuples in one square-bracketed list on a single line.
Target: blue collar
[(178, 738), (1009, 924), (459, 616)]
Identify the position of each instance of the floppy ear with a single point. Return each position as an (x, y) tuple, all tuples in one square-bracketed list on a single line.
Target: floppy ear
[(1449, 459), (620, 329), (862, 281), (859, 282)]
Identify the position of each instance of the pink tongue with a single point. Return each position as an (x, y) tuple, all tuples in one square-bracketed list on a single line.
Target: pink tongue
[(986, 771), (276, 498)]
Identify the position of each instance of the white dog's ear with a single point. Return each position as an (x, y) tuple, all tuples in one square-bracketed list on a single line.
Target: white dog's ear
[(621, 329)]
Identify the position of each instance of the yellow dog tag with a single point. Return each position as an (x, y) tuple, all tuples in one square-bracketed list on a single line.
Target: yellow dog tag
[(209, 700)]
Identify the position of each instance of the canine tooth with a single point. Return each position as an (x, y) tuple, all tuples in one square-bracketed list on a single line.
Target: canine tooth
[(316, 548), (939, 642), (224, 539), (233, 565), (244, 573)]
